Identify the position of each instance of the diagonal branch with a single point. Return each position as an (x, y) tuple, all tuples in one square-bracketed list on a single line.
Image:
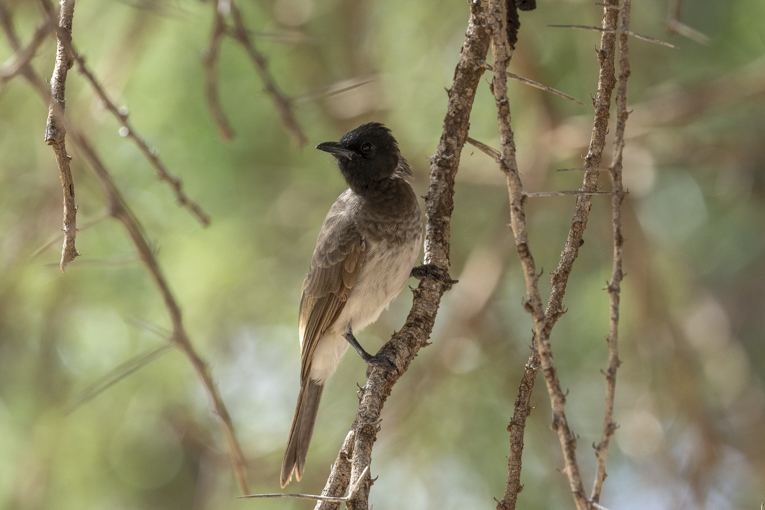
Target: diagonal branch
[(55, 133), (119, 210), (282, 102), (405, 344), (18, 61), (614, 288), (149, 153)]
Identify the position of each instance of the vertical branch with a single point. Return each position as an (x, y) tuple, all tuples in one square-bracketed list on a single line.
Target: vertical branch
[(614, 288), (405, 344), (55, 133), (602, 104), (517, 428), (502, 51)]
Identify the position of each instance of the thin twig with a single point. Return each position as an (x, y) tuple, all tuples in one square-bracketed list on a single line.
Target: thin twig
[(614, 288), (543, 87), (211, 74), (633, 34), (314, 497), (149, 153), (581, 169), (333, 90), (54, 239), (502, 53), (404, 345), (486, 149), (537, 194), (282, 102), (55, 133), (119, 210), (119, 373)]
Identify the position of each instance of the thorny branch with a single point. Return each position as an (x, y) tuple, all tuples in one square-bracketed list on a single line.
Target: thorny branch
[(241, 34), (502, 51), (614, 288), (55, 133), (403, 347), (559, 278), (119, 210)]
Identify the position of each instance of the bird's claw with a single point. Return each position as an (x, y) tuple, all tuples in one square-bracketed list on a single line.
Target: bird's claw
[(433, 272), (379, 359)]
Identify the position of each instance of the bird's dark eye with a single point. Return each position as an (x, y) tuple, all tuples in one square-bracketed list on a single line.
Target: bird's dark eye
[(367, 148)]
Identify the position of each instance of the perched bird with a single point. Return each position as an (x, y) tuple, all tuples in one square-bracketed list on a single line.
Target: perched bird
[(365, 252)]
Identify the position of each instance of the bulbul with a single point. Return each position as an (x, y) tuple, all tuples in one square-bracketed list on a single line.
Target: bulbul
[(366, 249)]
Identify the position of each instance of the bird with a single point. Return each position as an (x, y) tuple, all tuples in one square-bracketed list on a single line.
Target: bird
[(366, 249)]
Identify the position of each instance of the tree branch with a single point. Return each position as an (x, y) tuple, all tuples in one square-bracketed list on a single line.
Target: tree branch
[(119, 210), (55, 133), (282, 102), (614, 288), (149, 153), (211, 75), (405, 344), (501, 51)]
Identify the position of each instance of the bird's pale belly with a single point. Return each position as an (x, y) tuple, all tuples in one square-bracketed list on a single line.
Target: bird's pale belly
[(383, 276)]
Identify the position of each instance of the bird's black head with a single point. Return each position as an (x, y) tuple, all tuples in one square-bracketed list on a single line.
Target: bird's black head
[(367, 155)]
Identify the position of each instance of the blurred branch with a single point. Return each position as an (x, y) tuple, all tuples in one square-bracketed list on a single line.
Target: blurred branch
[(53, 240), (559, 278), (615, 31), (614, 288), (55, 132), (537, 194), (502, 52), (211, 75), (404, 345), (240, 33), (149, 153), (120, 211), (334, 89), (18, 61), (675, 26), (119, 373), (283, 104)]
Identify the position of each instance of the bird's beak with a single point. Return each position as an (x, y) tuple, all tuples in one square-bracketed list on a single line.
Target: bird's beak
[(336, 150)]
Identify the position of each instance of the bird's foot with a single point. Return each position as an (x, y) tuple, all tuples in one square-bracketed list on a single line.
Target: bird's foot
[(433, 272), (377, 359)]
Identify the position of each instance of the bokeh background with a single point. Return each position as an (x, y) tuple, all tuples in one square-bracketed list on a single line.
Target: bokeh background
[(690, 398)]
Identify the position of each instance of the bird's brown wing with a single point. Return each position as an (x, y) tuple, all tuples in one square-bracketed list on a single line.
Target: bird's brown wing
[(335, 266)]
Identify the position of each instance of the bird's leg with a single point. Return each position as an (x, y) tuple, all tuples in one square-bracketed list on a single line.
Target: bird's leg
[(377, 359)]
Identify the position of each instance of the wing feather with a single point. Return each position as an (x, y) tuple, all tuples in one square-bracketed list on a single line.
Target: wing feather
[(335, 267)]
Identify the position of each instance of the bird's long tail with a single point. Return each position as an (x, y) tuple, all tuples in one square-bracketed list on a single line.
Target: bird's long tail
[(301, 430)]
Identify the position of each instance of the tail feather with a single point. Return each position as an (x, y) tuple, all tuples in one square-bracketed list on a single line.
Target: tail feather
[(301, 431)]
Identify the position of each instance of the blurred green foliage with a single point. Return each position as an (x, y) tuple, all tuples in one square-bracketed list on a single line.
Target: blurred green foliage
[(690, 397)]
